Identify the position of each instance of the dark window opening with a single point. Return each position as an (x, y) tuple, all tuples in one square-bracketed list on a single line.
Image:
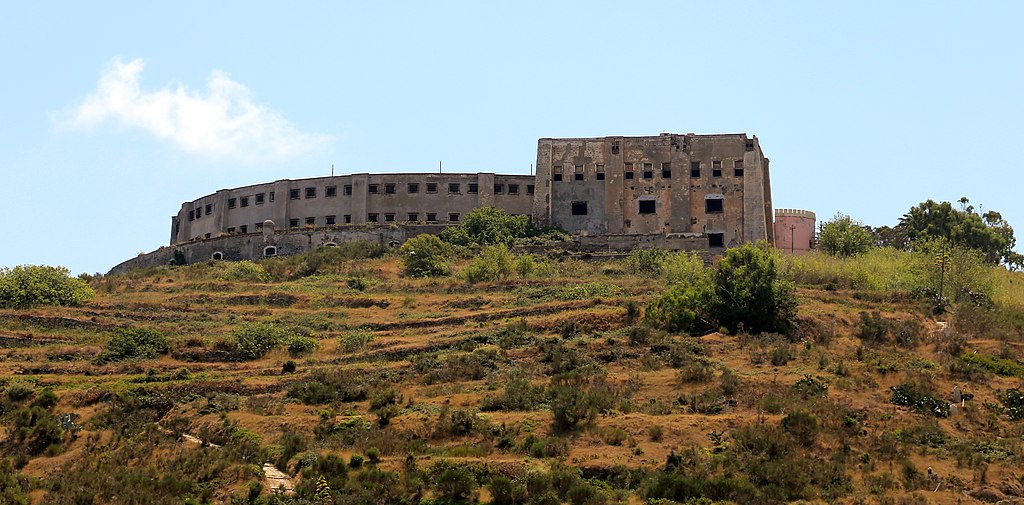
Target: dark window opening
[(389, 189), (293, 194), (578, 172), (666, 170), (414, 187), (713, 205), (231, 203), (373, 188), (310, 221), (258, 226), (647, 207), (348, 189), (716, 240), (454, 187), (695, 169), (271, 197), (530, 188), (206, 236), (474, 188), (191, 215), (615, 148), (414, 216), (293, 223), (499, 189), (453, 217), (738, 172), (217, 256), (244, 228), (716, 172), (269, 251), (372, 217), (556, 173), (599, 176), (431, 217), (244, 201), (209, 209), (579, 208), (310, 192), (648, 170), (628, 175), (389, 218), (513, 189), (259, 198), (749, 145), (231, 229), (578, 177), (330, 220), (431, 187), (556, 177), (348, 218), (331, 191)]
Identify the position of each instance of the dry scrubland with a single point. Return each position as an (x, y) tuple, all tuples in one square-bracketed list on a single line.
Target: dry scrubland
[(544, 388)]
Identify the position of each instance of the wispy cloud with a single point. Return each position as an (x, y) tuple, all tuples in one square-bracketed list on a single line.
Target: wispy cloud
[(223, 122)]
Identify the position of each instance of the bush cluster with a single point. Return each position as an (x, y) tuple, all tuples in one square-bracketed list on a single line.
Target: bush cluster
[(743, 291), (26, 286), (426, 256), (135, 343)]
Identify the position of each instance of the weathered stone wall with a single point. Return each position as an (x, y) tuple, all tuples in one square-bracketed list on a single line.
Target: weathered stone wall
[(253, 246), (350, 199), (656, 185)]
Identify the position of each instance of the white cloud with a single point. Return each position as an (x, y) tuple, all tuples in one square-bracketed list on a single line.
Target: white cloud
[(224, 122)]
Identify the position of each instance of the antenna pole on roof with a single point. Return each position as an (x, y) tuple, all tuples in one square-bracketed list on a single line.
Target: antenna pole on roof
[(531, 168), (438, 167), (332, 169)]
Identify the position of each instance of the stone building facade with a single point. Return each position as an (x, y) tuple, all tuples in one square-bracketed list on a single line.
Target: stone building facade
[(711, 186), (714, 186)]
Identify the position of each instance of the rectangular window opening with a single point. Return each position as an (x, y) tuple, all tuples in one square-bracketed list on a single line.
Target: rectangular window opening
[(714, 205), (414, 187), (454, 188), (330, 220), (453, 217), (473, 188), (293, 223), (431, 217), (716, 240), (330, 191), (373, 188), (694, 169), (513, 189), (648, 170), (647, 207), (310, 221), (348, 218), (389, 189), (579, 208), (413, 217), (293, 194), (310, 192), (231, 203), (372, 217), (271, 197), (530, 188), (244, 228), (499, 189), (348, 189), (244, 201), (431, 187), (259, 198), (666, 170), (389, 217)]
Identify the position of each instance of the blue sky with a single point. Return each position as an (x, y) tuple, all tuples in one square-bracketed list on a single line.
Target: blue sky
[(113, 114)]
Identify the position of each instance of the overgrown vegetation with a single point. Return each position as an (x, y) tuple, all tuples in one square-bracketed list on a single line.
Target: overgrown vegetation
[(26, 286)]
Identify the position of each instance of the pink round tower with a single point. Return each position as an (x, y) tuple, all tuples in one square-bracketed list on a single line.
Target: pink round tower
[(794, 230)]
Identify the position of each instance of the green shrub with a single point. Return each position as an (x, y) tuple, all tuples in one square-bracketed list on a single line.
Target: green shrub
[(505, 491), (744, 291), (1013, 402), (996, 365), (487, 226), (570, 403), (246, 271), (646, 262), (26, 286), (255, 340), (453, 482), (135, 343), (842, 236), (299, 345), (325, 386), (873, 327), (354, 341), (802, 426), (426, 256), (494, 263), (920, 398)]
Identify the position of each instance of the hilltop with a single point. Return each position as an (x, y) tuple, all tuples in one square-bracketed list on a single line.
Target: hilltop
[(541, 383)]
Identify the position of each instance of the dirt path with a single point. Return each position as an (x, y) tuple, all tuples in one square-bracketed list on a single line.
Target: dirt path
[(276, 480)]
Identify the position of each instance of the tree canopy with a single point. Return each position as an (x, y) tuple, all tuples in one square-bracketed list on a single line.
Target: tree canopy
[(842, 236)]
